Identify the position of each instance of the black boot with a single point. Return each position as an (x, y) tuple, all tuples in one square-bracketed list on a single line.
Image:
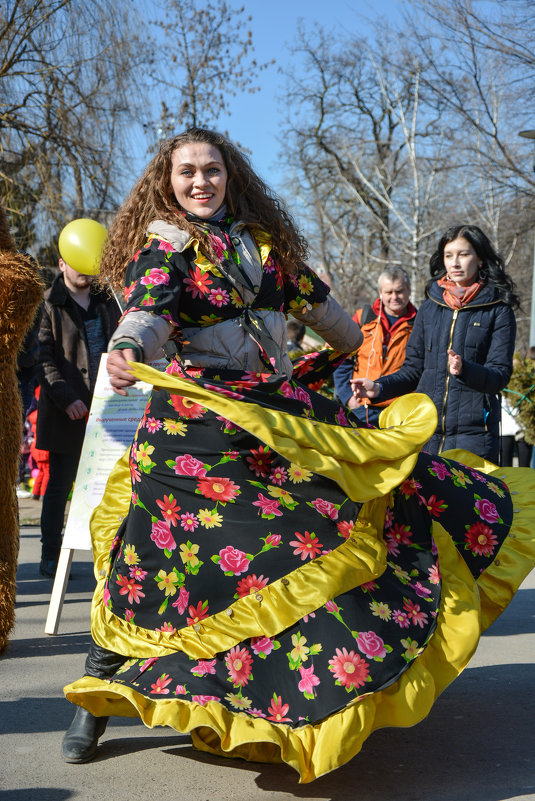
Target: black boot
[(81, 738)]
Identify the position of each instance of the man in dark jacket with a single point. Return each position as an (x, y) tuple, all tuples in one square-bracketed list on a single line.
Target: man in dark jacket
[(76, 324)]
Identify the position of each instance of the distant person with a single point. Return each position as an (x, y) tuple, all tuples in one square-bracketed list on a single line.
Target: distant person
[(76, 324), (39, 459), (296, 331), (460, 352), (512, 441), (386, 326)]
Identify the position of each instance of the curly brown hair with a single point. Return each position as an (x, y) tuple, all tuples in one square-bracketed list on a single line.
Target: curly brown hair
[(247, 197)]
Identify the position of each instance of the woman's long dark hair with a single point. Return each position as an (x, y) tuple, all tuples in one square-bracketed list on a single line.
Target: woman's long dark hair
[(493, 263)]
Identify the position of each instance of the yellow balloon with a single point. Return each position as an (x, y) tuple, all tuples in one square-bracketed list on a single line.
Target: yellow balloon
[(80, 245)]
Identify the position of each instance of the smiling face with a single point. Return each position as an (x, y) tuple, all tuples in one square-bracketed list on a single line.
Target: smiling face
[(461, 261), (199, 178)]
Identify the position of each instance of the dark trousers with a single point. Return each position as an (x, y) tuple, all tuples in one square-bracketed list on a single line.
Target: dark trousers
[(508, 445), (61, 478)]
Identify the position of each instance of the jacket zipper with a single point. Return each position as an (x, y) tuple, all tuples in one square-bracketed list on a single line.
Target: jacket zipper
[(445, 401)]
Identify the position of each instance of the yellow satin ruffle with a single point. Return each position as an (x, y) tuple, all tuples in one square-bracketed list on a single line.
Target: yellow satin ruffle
[(365, 463), (361, 558), (317, 749), (467, 606)]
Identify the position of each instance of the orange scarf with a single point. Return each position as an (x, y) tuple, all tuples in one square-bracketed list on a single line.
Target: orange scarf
[(458, 296)]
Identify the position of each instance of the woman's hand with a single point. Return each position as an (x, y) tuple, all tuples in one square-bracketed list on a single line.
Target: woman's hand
[(364, 388), (119, 371), (455, 363)]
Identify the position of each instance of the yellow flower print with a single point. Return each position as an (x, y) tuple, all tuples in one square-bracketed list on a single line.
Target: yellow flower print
[(237, 701), (413, 649), (174, 427), (167, 582), (144, 453), (209, 518), (235, 299), (460, 478), (298, 474), (300, 305), (130, 555), (300, 650), (278, 492), (381, 610), (399, 573), (496, 489), (188, 554), (305, 285), (209, 319)]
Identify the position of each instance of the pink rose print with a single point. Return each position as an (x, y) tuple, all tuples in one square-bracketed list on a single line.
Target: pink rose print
[(371, 645), (155, 276), (203, 699), (161, 535), (487, 510), (262, 645), (341, 417), (286, 390), (233, 561), (188, 465), (273, 540), (325, 508), (301, 395), (165, 246), (218, 246)]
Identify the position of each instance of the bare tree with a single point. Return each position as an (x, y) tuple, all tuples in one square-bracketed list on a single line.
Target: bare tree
[(65, 73), (372, 158), (206, 59), (480, 63)]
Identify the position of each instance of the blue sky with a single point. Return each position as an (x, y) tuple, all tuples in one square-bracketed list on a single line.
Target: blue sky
[(256, 118)]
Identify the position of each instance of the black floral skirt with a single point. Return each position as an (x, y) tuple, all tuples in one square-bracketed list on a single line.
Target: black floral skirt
[(283, 583)]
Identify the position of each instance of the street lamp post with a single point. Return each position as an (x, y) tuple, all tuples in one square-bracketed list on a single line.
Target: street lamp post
[(531, 135)]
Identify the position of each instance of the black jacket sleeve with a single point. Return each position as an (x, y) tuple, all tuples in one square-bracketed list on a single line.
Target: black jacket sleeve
[(407, 377)]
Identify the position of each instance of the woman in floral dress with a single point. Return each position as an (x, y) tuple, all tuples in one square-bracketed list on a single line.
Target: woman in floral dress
[(271, 579)]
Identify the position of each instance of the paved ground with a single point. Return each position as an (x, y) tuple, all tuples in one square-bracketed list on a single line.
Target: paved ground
[(477, 744)]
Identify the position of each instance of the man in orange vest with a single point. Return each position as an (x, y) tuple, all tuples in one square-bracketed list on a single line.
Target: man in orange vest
[(386, 326)]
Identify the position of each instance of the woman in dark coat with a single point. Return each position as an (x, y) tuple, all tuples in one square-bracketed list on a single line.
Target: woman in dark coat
[(460, 352)]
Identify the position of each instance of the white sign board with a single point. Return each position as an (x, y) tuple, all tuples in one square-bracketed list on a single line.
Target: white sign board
[(112, 422)]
